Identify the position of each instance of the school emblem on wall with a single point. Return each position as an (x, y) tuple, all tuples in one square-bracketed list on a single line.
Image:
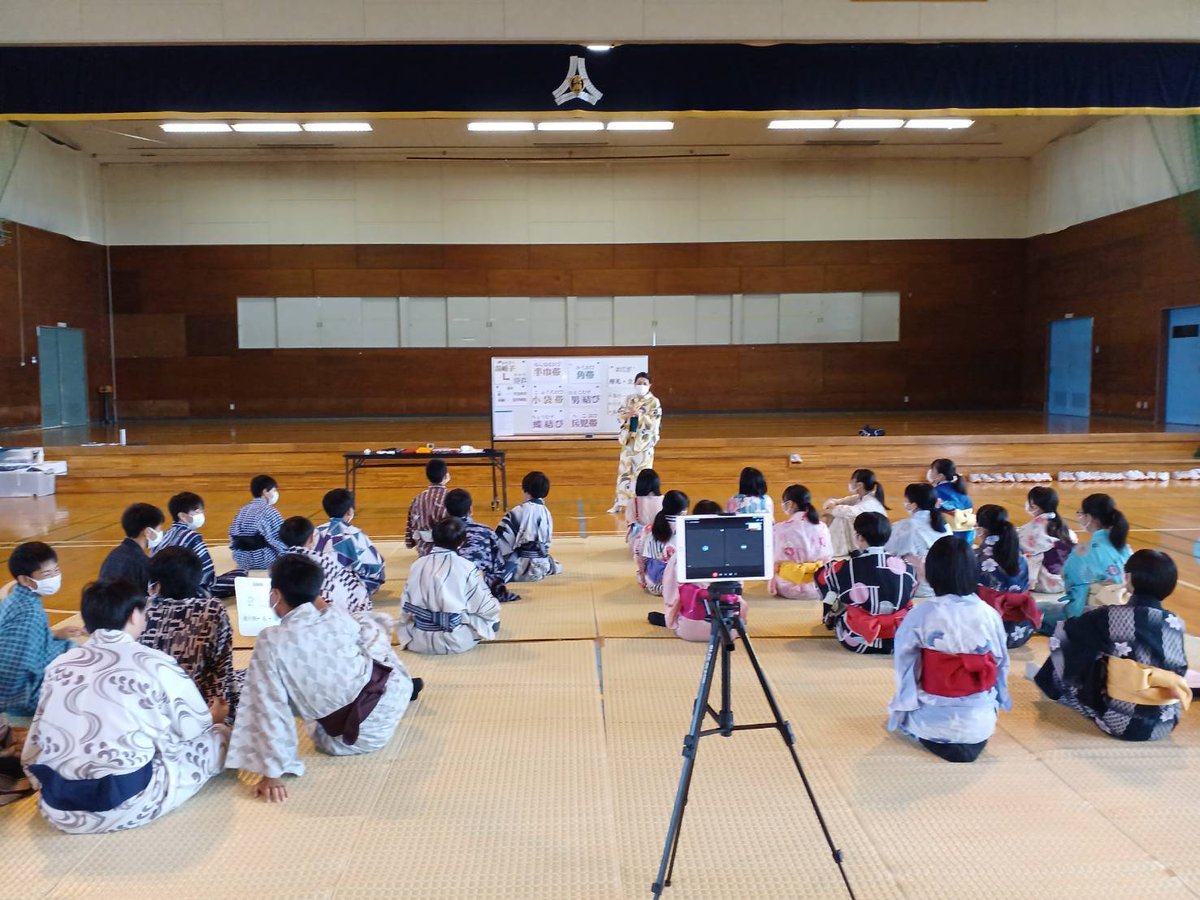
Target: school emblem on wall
[(577, 85)]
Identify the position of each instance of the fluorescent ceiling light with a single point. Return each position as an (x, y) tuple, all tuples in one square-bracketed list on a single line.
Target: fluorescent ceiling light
[(499, 126), (266, 127), (599, 48), (571, 125), (193, 127), (337, 126), (801, 124), (640, 125), (865, 124), (948, 124)]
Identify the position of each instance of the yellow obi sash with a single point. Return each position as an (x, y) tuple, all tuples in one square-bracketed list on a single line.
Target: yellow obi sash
[(1106, 593), (1132, 682), (961, 519), (799, 573)]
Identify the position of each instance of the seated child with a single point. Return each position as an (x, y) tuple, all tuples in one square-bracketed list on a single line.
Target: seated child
[(1046, 541), (128, 559), (446, 607), (1123, 666), (1094, 573), (481, 546), (340, 587), (187, 518), (912, 537), (953, 500), (27, 642), (657, 546), (752, 494), (866, 495), (640, 513), (427, 507), (349, 546), (334, 670), (951, 662), (254, 533), (868, 594), (1004, 575), (802, 547), (121, 735), (526, 532)]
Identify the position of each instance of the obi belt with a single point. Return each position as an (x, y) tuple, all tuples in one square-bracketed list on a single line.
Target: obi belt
[(533, 550), (94, 795), (956, 674), (799, 573), (1130, 681), (873, 628), (428, 620), (1013, 607), (248, 542), (345, 722)]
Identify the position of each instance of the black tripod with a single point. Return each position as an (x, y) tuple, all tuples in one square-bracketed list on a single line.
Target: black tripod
[(725, 624)]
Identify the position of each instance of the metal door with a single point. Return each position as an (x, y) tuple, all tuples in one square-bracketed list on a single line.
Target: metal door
[(1069, 388), (1183, 366), (62, 363)]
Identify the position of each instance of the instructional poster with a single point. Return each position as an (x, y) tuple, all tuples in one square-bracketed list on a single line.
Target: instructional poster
[(566, 396)]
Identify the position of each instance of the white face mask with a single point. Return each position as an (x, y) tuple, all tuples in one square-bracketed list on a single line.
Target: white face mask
[(197, 521), (46, 587), (641, 389), (156, 538), (272, 496), (852, 488)]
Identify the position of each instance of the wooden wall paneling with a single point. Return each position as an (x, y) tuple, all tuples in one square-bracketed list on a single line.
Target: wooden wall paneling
[(826, 253)]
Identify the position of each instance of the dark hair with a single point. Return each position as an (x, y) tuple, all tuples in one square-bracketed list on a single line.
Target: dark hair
[(458, 503), (924, 496), (1046, 499), (867, 479), (109, 604), (648, 484), (177, 571), (298, 578), (29, 557), (1102, 508), (260, 484), (950, 567), (675, 503), (1153, 573), (645, 375), (140, 516), (752, 483), (947, 469), (706, 508), (536, 485), (296, 531), (1007, 550), (337, 503), (449, 533), (435, 470), (184, 503), (873, 527), (802, 497)]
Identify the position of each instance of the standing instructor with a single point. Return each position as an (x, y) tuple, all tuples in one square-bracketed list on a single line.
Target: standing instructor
[(641, 418)]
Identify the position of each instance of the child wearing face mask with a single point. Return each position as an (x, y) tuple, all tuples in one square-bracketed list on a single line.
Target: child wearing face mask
[(254, 533), (187, 518), (912, 537), (141, 523), (866, 495), (953, 499), (802, 546), (27, 643), (1046, 541)]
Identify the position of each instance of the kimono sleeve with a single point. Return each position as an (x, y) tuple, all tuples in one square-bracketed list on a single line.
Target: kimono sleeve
[(270, 529), (999, 641), (185, 708), (906, 662), (217, 680), (482, 609), (264, 733), (506, 534)]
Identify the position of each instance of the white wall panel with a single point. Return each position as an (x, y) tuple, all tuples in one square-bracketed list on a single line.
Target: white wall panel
[(256, 323), (509, 319), (633, 321), (467, 321), (380, 322), (341, 321), (424, 321), (881, 316), (548, 322), (298, 321), (760, 319), (714, 319), (591, 322), (674, 320)]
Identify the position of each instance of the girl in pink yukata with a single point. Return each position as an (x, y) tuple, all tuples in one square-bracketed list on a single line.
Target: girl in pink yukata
[(639, 514), (802, 547)]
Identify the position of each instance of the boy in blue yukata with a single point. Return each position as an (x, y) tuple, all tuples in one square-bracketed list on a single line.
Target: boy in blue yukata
[(187, 518), (525, 534), (347, 545), (481, 546)]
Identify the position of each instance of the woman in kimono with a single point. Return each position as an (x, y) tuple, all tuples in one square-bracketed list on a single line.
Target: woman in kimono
[(1004, 575), (658, 543), (646, 504), (1123, 666), (802, 547), (641, 421), (866, 495), (951, 662), (752, 496), (526, 532), (335, 671), (868, 594), (1046, 541), (912, 537), (953, 499), (446, 607), (121, 735), (1094, 572)]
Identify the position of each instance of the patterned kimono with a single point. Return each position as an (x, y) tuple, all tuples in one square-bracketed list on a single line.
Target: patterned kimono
[(911, 539), (525, 534), (799, 541), (744, 504), (27, 646), (121, 736), (312, 665), (341, 587), (952, 501), (843, 514), (654, 559), (1046, 555), (963, 629), (1076, 673), (1000, 591), (1097, 562), (196, 634), (446, 607), (426, 509), (482, 547), (183, 535), (637, 445), (867, 596), (639, 516), (350, 548), (258, 521)]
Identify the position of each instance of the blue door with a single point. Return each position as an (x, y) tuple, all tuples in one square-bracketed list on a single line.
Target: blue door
[(1183, 366), (1069, 391), (63, 375)]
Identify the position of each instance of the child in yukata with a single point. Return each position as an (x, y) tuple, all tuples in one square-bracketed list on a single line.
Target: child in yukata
[(658, 543), (866, 495), (912, 537), (752, 495), (526, 532), (952, 496), (349, 546), (1046, 541), (1004, 575), (481, 546), (427, 507), (640, 512), (802, 547)]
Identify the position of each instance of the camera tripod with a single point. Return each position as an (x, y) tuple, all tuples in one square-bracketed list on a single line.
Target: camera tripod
[(726, 624)]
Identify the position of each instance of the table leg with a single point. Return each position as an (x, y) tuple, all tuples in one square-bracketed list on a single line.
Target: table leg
[(495, 493)]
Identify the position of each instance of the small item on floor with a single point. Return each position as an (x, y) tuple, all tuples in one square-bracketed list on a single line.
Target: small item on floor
[(871, 431), (796, 458), (657, 618), (418, 686), (509, 597)]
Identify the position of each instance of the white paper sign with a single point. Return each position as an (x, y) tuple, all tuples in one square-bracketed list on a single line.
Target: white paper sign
[(254, 605)]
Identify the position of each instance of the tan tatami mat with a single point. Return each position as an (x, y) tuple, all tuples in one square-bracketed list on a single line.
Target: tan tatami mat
[(545, 765)]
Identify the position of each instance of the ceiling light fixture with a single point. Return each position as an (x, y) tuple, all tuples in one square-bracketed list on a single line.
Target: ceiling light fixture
[(599, 48), (801, 124), (499, 126), (640, 125), (571, 125), (947, 124), (870, 124), (335, 127), (194, 127), (266, 127)]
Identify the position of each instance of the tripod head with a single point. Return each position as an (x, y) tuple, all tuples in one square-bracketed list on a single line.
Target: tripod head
[(723, 600)]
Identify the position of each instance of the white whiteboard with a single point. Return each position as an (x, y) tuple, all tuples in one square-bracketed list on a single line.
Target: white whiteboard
[(561, 396)]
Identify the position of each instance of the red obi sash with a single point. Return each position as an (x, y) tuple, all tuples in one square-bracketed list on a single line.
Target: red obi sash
[(872, 628), (956, 674), (1012, 607)]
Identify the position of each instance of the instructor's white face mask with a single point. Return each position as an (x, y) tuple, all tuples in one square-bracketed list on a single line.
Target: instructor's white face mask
[(641, 389), (46, 587)]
